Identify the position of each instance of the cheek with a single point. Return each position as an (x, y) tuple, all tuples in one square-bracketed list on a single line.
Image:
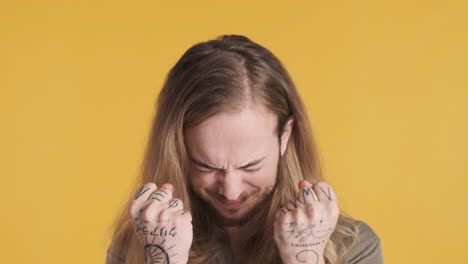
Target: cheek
[(264, 178)]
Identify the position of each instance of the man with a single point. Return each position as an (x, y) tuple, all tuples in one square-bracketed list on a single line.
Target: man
[(231, 172)]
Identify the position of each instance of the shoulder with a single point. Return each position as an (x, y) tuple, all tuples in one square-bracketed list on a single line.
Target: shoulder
[(113, 258), (367, 249)]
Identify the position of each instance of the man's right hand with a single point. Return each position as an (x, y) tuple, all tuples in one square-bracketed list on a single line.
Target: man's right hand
[(164, 228)]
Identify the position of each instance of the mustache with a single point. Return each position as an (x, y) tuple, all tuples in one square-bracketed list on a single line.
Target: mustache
[(242, 197)]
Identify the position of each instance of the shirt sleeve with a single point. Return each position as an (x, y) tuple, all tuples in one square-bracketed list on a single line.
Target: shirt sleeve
[(368, 249), (112, 258)]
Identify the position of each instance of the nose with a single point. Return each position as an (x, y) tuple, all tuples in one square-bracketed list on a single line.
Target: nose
[(231, 184)]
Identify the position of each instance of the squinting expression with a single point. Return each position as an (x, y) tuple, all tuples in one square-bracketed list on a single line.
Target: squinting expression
[(234, 158)]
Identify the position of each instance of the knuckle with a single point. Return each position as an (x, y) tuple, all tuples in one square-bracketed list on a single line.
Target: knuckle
[(296, 214), (278, 215), (332, 206), (130, 211), (178, 219), (182, 219), (174, 203), (310, 209), (165, 214), (132, 204), (145, 215), (187, 215), (279, 220), (179, 203), (149, 205), (133, 209), (334, 211)]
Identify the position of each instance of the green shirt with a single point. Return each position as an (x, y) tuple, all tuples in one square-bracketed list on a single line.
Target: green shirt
[(368, 250)]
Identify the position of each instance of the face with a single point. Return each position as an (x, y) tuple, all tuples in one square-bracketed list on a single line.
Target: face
[(234, 159)]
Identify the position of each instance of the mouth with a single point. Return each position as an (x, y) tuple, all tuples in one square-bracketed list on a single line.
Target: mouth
[(231, 205)]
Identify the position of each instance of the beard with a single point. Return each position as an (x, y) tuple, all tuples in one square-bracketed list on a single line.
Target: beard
[(212, 213), (262, 205)]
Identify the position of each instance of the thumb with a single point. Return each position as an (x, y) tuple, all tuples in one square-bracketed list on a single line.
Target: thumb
[(304, 183), (168, 186)]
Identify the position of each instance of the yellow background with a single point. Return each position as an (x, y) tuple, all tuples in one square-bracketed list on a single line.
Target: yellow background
[(385, 83)]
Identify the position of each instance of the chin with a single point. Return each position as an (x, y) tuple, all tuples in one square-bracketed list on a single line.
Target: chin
[(239, 215), (235, 217)]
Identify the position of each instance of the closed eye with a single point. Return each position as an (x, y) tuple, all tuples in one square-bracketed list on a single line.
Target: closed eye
[(252, 170), (248, 170), (209, 168), (204, 171)]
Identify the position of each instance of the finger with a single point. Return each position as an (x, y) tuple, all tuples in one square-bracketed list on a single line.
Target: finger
[(168, 186), (279, 226), (174, 204), (304, 183), (139, 199), (172, 210), (281, 217), (165, 215), (157, 202), (161, 195), (164, 211), (325, 192), (184, 215), (307, 195), (292, 205), (314, 212), (282, 210)]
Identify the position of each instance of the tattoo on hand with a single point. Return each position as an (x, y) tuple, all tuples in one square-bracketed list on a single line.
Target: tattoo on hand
[(156, 253), (307, 255), (306, 192), (327, 194), (302, 235), (141, 192), (173, 203)]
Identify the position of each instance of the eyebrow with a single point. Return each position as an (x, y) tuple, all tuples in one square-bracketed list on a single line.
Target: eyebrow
[(252, 163)]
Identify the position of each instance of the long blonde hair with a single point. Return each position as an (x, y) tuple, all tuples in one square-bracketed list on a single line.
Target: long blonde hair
[(210, 77)]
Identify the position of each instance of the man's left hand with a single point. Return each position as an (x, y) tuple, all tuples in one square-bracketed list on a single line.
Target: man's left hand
[(303, 227)]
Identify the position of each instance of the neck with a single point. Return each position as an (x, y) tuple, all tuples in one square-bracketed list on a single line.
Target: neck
[(237, 233), (238, 236)]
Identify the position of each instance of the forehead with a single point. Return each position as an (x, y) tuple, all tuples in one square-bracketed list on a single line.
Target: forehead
[(233, 138)]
